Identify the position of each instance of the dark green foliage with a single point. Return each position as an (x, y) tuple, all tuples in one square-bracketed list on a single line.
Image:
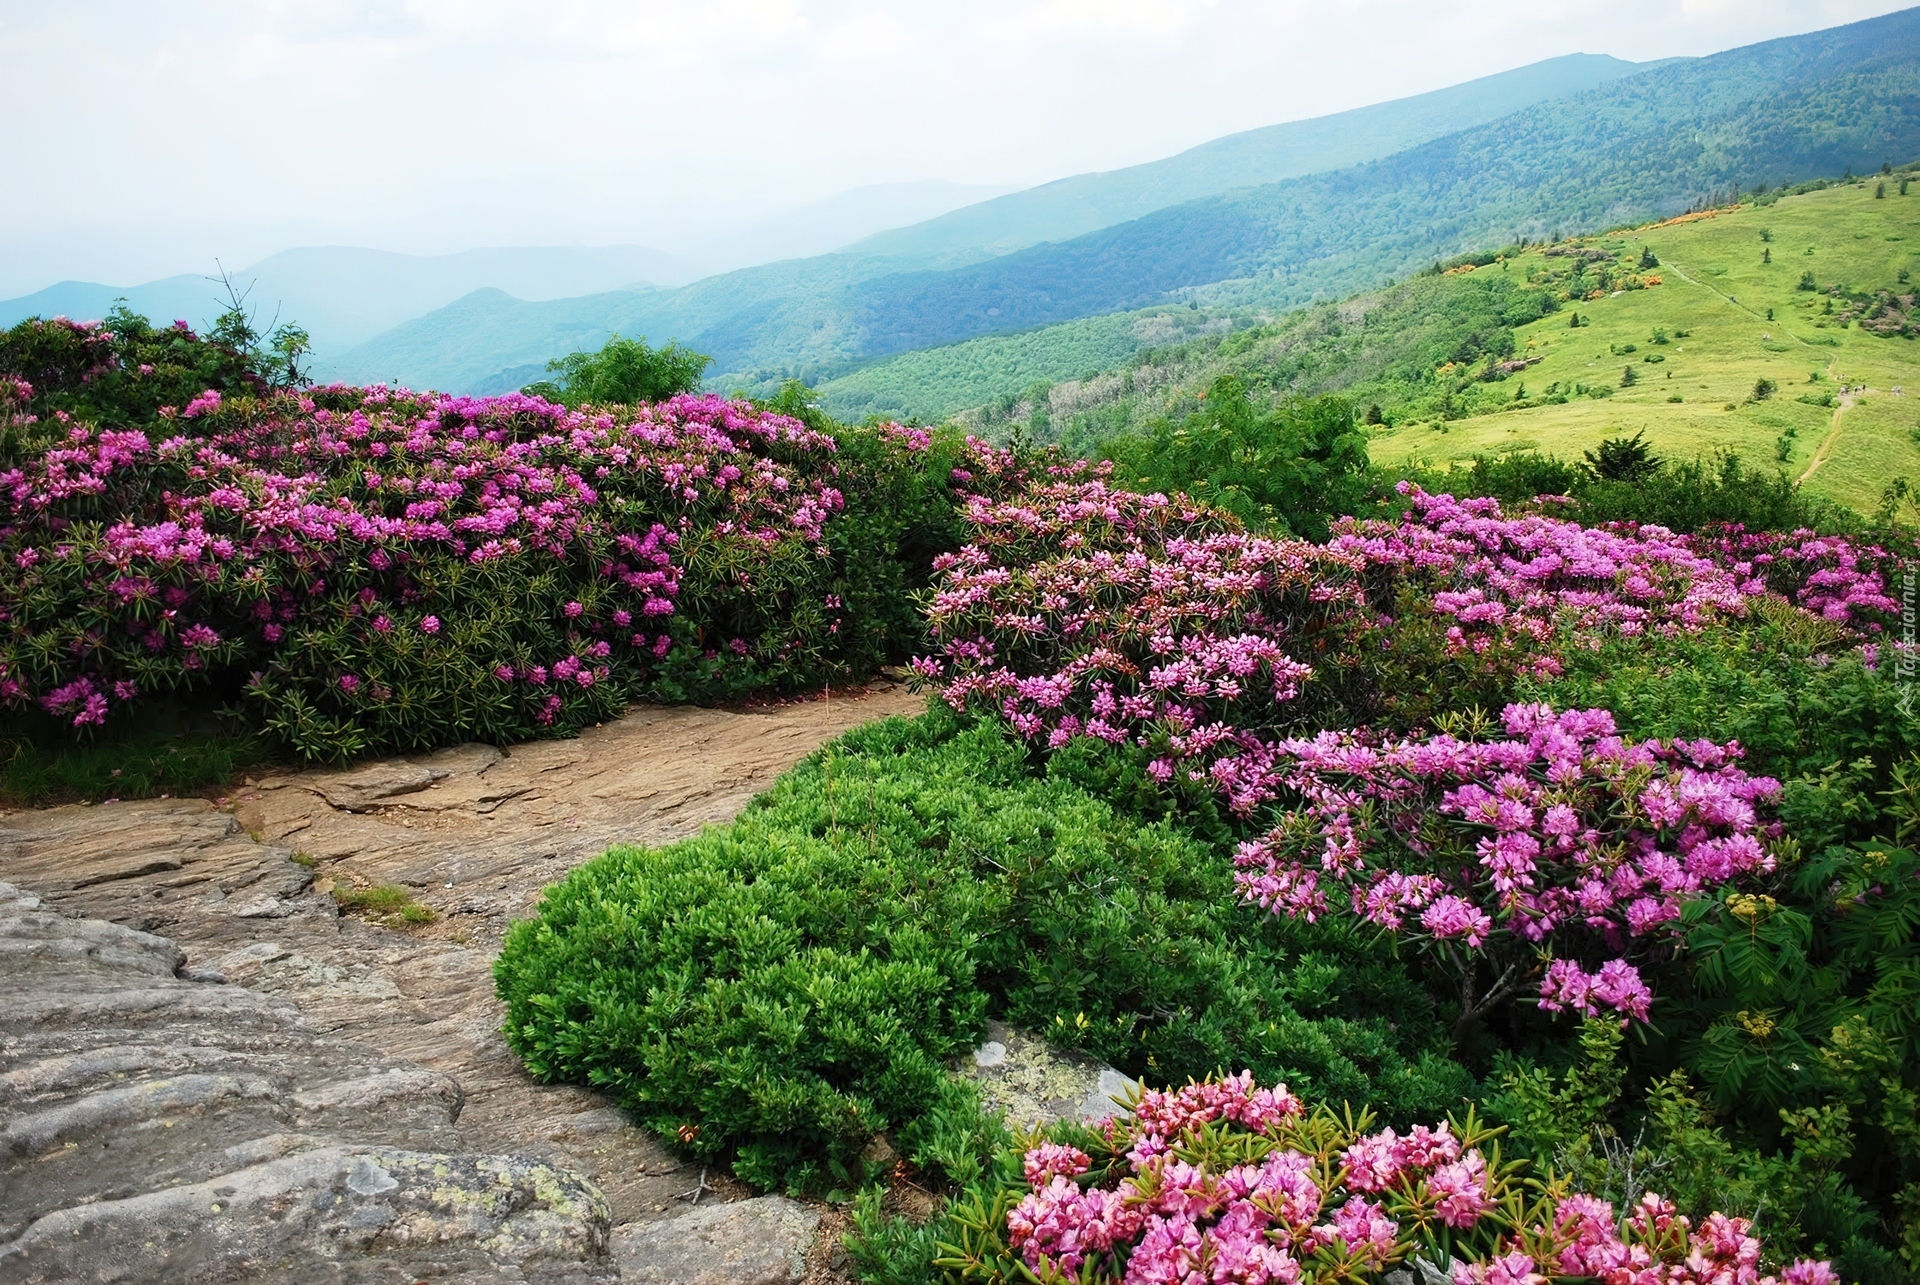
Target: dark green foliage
[(1623, 459), (624, 371), (117, 376), (780, 990), (164, 753), (1287, 465), (1684, 495), (1783, 1070), (1763, 389)]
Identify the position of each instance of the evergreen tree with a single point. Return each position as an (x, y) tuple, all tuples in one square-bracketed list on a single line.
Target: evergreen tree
[(1623, 459)]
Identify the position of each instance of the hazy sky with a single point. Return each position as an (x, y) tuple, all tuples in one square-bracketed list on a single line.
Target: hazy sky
[(145, 138)]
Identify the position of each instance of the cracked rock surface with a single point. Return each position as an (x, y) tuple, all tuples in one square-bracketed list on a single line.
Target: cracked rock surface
[(402, 1056), (158, 1129)]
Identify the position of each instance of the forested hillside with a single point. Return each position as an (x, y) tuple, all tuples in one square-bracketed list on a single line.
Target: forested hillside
[(1085, 203), (1646, 146)]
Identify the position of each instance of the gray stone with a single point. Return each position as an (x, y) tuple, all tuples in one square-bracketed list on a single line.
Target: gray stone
[(323, 1006), (156, 1129), (332, 1214), (1033, 1084), (764, 1241)]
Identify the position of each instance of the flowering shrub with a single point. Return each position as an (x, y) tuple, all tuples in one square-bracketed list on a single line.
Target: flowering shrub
[(1223, 1182), (400, 570), (1827, 575), (117, 373), (1561, 834), (1077, 609), (1512, 586)]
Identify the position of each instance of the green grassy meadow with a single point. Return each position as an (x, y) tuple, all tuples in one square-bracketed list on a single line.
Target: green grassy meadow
[(1713, 306)]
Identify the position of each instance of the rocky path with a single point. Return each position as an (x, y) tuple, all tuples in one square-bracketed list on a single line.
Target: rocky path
[(474, 833)]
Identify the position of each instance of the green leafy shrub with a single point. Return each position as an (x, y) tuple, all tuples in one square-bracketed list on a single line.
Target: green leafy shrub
[(116, 374), (783, 989), (1289, 466), (623, 372)]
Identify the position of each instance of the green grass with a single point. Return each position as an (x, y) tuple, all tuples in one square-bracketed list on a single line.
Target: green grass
[(386, 904), (156, 758), (1717, 289)]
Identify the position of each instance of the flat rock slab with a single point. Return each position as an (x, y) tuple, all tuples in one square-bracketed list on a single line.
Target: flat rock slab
[(1033, 1084), (764, 1241), (226, 894), (155, 1129)]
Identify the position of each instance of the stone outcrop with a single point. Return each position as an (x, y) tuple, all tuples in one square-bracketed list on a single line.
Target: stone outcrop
[(349, 1042), (162, 1129), (763, 1241), (1032, 1083)]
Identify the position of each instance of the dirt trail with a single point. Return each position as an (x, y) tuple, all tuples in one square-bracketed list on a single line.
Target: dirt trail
[(1842, 405), (473, 832)]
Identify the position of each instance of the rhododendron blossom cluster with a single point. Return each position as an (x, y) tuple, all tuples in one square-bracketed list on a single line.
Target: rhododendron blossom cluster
[(1077, 609), (1225, 1182), (1827, 575), (1560, 834), (358, 547)]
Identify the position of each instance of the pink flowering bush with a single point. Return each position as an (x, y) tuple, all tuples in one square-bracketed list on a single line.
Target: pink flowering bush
[(1227, 1183), (1828, 575), (1560, 837), (1075, 609), (1079, 610), (398, 570), (116, 373)]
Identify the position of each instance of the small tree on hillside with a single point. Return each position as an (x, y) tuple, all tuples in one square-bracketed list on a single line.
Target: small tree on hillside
[(624, 371), (1623, 459), (1628, 378)]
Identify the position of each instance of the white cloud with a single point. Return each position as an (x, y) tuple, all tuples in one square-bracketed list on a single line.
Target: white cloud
[(144, 138)]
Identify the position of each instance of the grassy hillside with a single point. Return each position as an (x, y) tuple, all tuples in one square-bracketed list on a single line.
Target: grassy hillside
[(1439, 353), (1695, 394), (1085, 203)]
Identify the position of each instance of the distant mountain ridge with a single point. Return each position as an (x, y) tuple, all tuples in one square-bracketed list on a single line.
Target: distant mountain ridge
[(344, 295), (1643, 146), (1072, 207), (794, 316)]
